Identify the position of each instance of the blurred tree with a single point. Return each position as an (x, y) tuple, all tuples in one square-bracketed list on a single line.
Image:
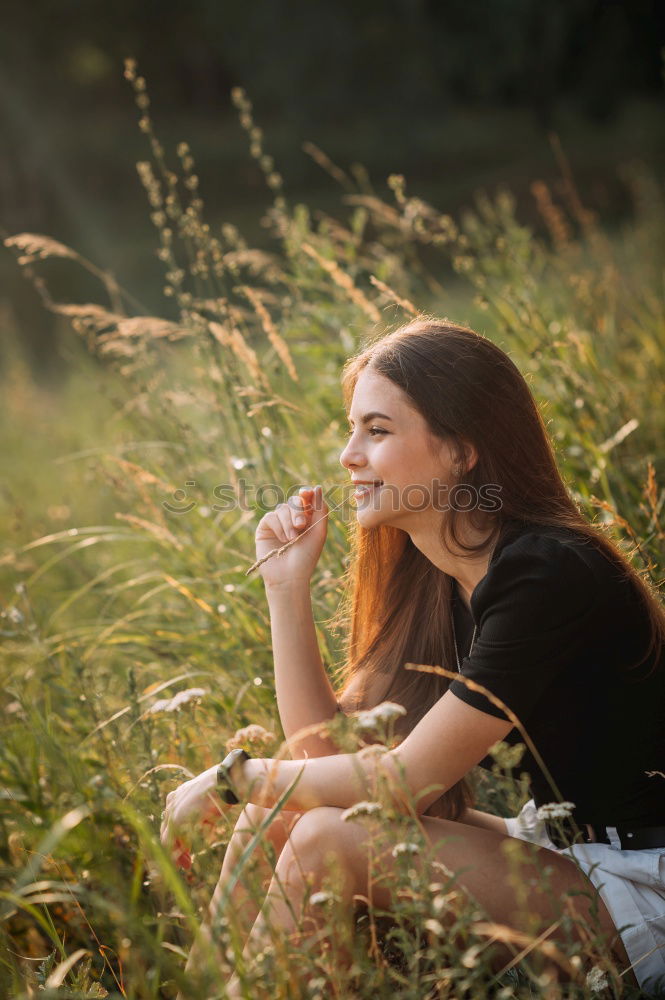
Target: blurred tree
[(383, 78), (333, 57)]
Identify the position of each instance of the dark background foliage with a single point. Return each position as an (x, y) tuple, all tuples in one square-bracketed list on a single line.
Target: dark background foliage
[(455, 95)]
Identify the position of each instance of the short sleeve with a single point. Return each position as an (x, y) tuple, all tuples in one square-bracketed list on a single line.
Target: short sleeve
[(534, 611)]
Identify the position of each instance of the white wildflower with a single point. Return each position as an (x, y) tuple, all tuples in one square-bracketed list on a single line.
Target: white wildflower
[(250, 734), (434, 927), (388, 711), (597, 980), (555, 810), (177, 701), (361, 809), (321, 898), (445, 902), (444, 869), (470, 956), (405, 847)]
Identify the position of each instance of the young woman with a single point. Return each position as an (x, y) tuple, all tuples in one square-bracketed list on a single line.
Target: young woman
[(503, 581)]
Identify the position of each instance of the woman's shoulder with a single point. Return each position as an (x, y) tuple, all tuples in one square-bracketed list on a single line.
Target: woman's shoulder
[(535, 567), (552, 548)]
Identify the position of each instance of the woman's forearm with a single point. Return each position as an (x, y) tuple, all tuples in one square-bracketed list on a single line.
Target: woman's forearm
[(473, 817), (304, 693), (339, 780)]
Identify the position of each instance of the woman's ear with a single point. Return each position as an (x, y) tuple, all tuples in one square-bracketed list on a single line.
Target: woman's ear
[(466, 456), (470, 456)]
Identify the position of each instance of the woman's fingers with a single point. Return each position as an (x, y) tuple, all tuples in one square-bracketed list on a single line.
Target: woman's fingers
[(305, 498), (166, 830), (176, 847), (278, 525), (318, 502), (295, 514), (301, 507), (181, 854), (290, 519), (285, 514)]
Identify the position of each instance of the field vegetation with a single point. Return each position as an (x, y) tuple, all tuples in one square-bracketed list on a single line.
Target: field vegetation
[(134, 644)]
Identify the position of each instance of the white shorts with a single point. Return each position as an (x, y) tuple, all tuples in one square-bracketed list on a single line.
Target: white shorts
[(630, 883)]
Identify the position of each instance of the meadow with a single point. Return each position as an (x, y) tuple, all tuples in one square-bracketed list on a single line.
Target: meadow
[(134, 644)]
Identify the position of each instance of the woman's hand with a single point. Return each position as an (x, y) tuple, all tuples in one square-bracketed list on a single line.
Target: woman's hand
[(306, 511), (194, 800)]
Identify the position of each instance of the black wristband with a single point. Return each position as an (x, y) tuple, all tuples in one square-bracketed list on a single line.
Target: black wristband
[(224, 784)]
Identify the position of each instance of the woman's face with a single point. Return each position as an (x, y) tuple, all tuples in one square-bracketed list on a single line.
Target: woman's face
[(405, 471)]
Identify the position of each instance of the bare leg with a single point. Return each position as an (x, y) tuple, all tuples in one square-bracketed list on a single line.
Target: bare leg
[(243, 904), (478, 855)]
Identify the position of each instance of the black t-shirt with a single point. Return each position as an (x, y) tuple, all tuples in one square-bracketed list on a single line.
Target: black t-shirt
[(557, 626)]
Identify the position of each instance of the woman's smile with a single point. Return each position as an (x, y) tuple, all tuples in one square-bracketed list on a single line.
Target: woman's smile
[(366, 488)]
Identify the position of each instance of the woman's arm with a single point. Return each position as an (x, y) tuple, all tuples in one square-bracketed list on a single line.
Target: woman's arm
[(451, 739), (447, 742), (473, 817), (304, 693)]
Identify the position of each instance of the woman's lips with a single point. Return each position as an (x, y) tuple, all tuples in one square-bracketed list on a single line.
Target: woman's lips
[(363, 490)]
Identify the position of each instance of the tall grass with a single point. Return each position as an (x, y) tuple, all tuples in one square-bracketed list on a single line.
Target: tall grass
[(123, 568)]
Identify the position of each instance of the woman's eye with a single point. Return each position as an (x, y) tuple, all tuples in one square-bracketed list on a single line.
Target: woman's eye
[(372, 431)]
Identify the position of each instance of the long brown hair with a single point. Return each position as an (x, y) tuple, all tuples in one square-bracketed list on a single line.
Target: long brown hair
[(398, 602)]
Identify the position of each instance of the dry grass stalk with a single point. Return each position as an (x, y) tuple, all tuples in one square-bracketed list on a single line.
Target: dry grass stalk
[(186, 592), (621, 522), (151, 328), (552, 215), (112, 346), (274, 401), (157, 531), (36, 247), (404, 304), (140, 475), (270, 330), (379, 209), (584, 216), (327, 164), (234, 339), (650, 493), (89, 314), (256, 261), (342, 280), (510, 936), (619, 436)]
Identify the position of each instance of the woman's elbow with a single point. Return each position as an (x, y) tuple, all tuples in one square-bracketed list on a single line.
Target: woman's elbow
[(407, 790)]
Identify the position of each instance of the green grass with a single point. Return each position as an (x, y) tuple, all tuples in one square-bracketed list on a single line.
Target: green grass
[(110, 600)]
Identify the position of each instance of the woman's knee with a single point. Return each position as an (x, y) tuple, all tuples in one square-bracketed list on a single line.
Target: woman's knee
[(321, 844), (318, 831), (251, 820)]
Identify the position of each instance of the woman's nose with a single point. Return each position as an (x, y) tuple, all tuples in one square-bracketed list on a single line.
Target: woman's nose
[(351, 456)]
